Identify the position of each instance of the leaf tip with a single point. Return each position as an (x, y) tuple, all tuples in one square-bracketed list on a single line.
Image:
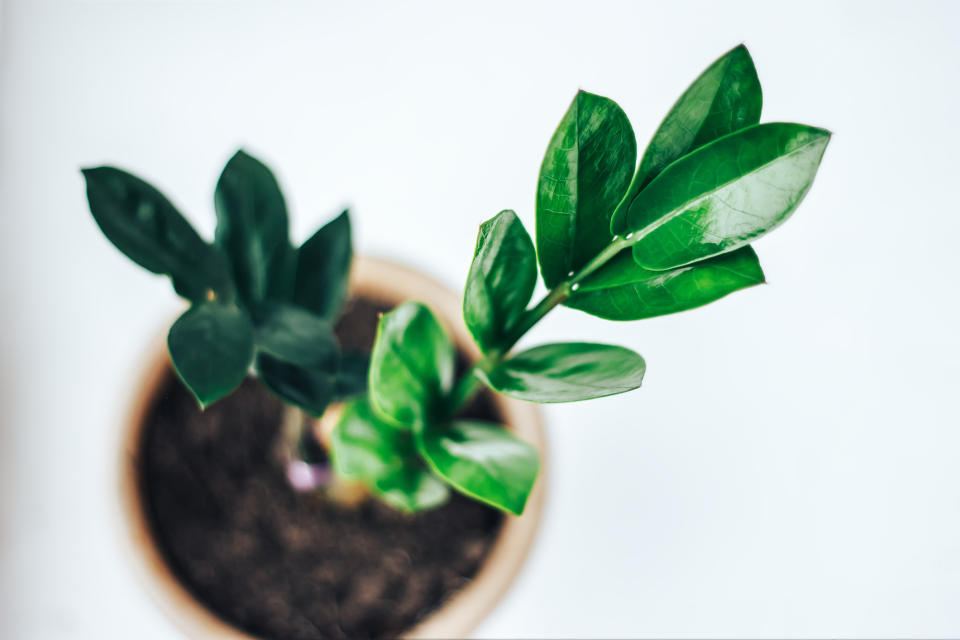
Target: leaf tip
[(92, 172)]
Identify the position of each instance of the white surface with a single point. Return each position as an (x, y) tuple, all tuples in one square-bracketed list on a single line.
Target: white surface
[(789, 468)]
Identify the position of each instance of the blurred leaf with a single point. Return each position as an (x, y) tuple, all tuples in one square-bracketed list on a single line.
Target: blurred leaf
[(412, 366), (251, 224), (483, 461), (312, 388), (296, 337), (353, 373), (412, 489), (323, 268), (384, 458), (282, 274), (567, 372), (623, 290), (211, 346), (722, 196), (501, 281), (585, 173), (143, 224)]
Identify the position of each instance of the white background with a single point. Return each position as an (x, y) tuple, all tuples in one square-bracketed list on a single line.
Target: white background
[(788, 469)]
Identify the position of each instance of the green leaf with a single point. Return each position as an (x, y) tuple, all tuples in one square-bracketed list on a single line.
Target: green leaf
[(363, 447), (323, 268), (623, 290), (722, 196), (412, 366), (282, 273), (483, 461), (585, 173), (353, 373), (297, 337), (723, 99), (211, 346), (501, 281), (411, 489), (143, 224), (567, 372), (251, 224), (384, 458), (312, 388)]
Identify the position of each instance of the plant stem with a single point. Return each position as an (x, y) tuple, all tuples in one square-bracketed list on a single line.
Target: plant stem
[(469, 384), (465, 389)]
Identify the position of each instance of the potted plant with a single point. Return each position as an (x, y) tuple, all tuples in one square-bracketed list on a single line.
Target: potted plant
[(265, 515)]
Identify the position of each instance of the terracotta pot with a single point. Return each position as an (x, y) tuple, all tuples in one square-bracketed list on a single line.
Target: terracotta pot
[(391, 282)]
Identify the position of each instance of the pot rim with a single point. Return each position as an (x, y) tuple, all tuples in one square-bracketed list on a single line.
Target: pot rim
[(457, 617)]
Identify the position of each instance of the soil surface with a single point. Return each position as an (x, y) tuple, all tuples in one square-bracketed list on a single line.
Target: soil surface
[(289, 566)]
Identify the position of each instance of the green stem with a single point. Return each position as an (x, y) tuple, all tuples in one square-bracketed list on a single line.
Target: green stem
[(469, 384), (466, 388)]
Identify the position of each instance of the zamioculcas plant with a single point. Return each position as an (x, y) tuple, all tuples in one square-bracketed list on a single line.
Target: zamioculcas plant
[(255, 300), (615, 239)]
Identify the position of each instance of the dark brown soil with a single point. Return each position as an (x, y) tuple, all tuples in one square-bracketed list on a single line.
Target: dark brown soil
[(284, 565)]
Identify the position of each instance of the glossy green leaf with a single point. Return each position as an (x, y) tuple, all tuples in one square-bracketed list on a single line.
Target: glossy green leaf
[(411, 489), (584, 175), (722, 196), (363, 447), (143, 224), (211, 346), (312, 388), (623, 290), (483, 461), (296, 337), (723, 99), (567, 372), (251, 224), (323, 268), (412, 366), (501, 281), (353, 373), (366, 449)]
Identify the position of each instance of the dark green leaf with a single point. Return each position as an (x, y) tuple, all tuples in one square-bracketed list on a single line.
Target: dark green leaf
[(323, 268), (310, 388), (412, 366), (211, 346), (282, 272), (585, 173), (384, 458), (501, 281), (482, 460), (251, 223), (623, 290), (143, 224), (725, 194), (725, 98), (353, 373), (296, 337), (567, 372)]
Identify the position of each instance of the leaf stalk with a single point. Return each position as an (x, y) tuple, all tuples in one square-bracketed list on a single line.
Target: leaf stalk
[(469, 384)]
